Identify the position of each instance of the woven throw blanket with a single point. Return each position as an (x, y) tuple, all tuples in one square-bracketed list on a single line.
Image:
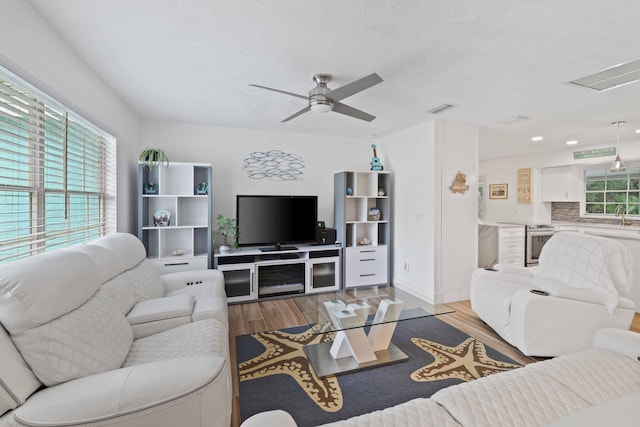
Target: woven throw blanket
[(587, 262)]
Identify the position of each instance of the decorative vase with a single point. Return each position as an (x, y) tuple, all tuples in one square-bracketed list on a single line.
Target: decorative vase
[(224, 249), (162, 218), (374, 214)]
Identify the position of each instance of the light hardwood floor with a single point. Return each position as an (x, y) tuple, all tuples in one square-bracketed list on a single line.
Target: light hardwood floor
[(283, 313)]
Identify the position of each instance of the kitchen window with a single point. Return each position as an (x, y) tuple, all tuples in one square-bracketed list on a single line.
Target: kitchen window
[(606, 190), (57, 173)]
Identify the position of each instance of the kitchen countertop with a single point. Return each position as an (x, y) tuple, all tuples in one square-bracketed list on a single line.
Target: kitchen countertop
[(612, 230)]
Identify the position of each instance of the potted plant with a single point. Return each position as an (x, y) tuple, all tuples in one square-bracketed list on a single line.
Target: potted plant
[(153, 156), (228, 229)]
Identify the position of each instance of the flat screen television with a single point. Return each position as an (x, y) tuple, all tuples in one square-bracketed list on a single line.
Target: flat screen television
[(276, 220)]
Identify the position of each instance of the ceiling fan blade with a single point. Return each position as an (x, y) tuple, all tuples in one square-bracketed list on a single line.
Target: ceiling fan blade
[(281, 91), (341, 108), (354, 87), (293, 116)]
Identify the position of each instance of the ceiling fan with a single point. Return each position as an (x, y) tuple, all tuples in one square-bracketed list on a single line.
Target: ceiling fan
[(322, 99)]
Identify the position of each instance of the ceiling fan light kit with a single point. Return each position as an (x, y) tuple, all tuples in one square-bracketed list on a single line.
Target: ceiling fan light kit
[(321, 99)]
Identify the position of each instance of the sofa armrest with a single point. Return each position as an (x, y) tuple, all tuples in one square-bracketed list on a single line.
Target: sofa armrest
[(618, 340), (559, 290), (180, 279), (155, 309), (514, 269), (120, 392)]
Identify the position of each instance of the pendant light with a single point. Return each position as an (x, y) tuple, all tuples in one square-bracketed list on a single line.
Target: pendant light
[(618, 164)]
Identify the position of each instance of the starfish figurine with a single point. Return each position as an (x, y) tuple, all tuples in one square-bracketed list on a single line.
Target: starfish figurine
[(284, 355), (467, 361)]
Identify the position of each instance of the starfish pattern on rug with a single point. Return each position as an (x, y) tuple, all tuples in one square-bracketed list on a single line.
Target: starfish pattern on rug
[(284, 355), (466, 361)]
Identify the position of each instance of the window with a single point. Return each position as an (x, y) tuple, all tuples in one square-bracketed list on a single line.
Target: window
[(606, 190), (57, 174)]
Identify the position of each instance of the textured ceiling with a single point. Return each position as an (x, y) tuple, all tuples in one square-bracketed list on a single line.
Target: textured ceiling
[(192, 61)]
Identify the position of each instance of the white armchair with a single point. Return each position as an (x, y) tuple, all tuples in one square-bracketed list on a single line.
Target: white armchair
[(579, 281)]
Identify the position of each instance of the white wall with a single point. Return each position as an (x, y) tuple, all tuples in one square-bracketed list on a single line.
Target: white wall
[(226, 148), (31, 49), (411, 155), (456, 214), (434, 230)]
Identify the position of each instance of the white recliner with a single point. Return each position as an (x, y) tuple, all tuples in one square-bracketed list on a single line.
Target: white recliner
[(579, 280)]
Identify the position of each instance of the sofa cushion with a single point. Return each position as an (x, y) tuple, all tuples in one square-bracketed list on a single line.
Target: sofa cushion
[(205, 337), (127, 247), (161, 308), (211, 308), (107, 262), (121, 292), (91, 339), (43, 287), (145, 281), (414, 413), (614, 373), (513, 398), (622, 411)]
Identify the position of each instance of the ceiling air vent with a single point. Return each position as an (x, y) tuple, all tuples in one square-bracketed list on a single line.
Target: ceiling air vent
[(513, 119), (440, 108), (611, 77)]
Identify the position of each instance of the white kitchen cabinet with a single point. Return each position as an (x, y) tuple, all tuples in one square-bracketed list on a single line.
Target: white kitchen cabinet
[(511, 244), (561, 184)]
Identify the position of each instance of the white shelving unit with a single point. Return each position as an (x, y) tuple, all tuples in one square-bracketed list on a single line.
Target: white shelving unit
[(185, 242), (355, 194)]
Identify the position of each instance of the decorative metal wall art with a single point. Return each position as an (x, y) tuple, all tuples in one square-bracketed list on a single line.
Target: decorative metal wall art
[(275, 165)]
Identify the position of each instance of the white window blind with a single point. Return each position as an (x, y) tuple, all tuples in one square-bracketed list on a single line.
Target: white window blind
[(57, 174)]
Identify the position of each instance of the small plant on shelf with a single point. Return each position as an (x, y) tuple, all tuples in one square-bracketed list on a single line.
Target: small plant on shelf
[(228, 229), (153, 156)]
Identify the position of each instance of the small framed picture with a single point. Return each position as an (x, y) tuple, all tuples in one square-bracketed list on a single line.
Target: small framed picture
[(498, 191)]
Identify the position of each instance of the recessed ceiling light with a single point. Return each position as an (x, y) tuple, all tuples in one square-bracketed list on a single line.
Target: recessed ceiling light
[(637, 130), (572, 142), (537, 138)]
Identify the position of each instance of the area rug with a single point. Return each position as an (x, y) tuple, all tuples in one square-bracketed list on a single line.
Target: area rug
[(274, 372)]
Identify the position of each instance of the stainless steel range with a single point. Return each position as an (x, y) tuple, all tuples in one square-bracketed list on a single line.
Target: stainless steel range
[(536, 236)]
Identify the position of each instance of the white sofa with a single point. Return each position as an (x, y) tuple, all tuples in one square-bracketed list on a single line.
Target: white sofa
[(595, 387), (584, 279), (92, 335)]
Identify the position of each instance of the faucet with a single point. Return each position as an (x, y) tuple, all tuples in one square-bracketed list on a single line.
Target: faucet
[(620, 212)]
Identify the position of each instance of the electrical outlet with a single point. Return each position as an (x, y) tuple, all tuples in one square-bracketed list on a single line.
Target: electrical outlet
[(407, 266)]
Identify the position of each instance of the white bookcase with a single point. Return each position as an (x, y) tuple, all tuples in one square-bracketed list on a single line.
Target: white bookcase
[(366, 239), (184, 243)]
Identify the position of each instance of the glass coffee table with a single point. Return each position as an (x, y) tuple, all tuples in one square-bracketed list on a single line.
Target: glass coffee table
[(364, 321)]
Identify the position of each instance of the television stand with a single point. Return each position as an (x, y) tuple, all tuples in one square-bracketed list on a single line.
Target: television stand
[(256, 273), (278, 248)]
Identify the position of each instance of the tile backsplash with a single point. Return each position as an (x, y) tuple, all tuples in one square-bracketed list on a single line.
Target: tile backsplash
[(570, 212)]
